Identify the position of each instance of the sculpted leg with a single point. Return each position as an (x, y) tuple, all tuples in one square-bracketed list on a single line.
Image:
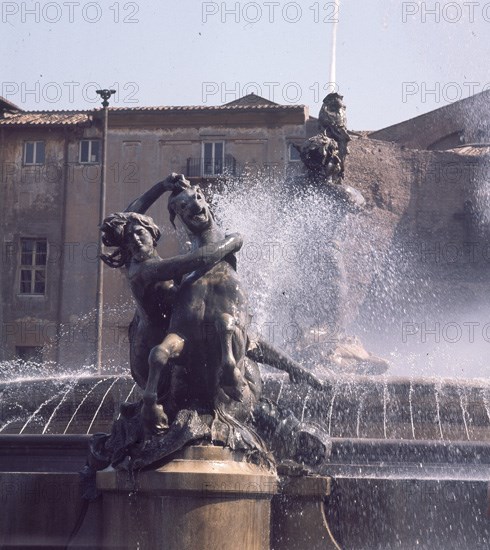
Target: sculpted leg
[(153, 414), (230, 378)]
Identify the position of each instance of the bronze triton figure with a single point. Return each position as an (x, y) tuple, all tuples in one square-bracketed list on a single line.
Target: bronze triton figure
[(189, 347)]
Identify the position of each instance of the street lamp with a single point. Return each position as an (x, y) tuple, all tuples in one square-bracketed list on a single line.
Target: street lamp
[(105, 95)]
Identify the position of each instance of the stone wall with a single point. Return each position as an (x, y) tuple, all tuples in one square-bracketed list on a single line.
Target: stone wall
[(461, 122)]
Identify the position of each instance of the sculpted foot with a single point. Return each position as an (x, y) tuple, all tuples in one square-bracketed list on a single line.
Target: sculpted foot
[(313, 445), (154, 418)]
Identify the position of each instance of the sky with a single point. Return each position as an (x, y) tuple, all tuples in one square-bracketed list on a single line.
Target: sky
[(395, 59)]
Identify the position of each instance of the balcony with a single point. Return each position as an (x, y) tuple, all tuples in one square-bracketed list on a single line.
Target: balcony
[(208, 168)]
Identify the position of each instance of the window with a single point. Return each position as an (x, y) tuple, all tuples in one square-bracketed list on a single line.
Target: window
[(33, 258), (294, 155), (33, 152), (89, 151), (213, 158), (29, 353)]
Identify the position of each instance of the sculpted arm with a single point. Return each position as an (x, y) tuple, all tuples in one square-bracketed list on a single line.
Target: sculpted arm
[(264, 352), (141, 204), (204, 257)]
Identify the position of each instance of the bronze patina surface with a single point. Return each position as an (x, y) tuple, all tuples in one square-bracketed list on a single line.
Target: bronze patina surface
[(189, 347)]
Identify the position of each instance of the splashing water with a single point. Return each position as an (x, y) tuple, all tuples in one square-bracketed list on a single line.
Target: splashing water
[(9, 422), (305, 402), (299, 246), (289, 262), (359, 415), (101, 403), (85, 397), (410, 403), (131, 391), (53, 414), (385, 406), (330, 410), (438, 410), (38, 410), (463, 401)]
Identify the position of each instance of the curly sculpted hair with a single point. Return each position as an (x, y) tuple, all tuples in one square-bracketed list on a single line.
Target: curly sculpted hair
[(114, 230)]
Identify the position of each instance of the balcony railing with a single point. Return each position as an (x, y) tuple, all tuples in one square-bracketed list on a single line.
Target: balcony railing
[(198, 167)]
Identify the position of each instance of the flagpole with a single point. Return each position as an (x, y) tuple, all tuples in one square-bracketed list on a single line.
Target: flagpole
[(333, 59)]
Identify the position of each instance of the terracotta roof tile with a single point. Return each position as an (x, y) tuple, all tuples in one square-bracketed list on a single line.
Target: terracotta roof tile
[(226, 107), (473, 150), (41, 118), (73, 118)]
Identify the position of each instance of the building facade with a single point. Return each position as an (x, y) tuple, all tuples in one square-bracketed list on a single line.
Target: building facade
[(426, 196), (51, 184)]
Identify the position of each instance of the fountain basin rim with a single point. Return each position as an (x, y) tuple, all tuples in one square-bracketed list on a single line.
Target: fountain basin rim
[(331, 380), (35, 452), (410, 450), (60, 377)]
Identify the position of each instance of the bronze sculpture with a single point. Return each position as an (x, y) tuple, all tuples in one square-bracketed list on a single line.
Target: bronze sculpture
[(207, 333), (333, 122), (190, 350), (324, 154), (151, 281)]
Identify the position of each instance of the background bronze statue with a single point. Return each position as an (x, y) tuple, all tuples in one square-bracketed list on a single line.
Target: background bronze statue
[(324, 154), (333, 122)]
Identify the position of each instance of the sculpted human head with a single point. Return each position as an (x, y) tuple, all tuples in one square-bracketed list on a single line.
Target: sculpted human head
[(334, 101), (139, 241), (134, 235), (189, 204)]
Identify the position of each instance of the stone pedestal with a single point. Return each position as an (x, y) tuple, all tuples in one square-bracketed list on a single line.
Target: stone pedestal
[(298, 516), (207, 498)]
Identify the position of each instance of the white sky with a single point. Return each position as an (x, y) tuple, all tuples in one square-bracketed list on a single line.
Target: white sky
[(172, 53)]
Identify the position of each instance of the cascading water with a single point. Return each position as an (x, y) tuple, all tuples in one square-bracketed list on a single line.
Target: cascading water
[(385, 431), (67, 405), (291, 261), (300, 245)]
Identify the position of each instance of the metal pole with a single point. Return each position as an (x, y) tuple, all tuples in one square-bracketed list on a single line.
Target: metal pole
[(333, 59), (105, 95)]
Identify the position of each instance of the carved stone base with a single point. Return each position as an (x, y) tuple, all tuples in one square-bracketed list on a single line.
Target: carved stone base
[(204, 499)]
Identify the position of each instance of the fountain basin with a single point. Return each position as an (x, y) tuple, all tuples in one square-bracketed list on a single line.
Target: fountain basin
[(349, 407), (382, 494), (409, 467)]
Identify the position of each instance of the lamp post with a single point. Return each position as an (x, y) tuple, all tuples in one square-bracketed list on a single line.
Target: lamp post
[(105, 95)]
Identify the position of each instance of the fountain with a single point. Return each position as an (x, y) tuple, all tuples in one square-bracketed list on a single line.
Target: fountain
[(411, 444), (410, 456)]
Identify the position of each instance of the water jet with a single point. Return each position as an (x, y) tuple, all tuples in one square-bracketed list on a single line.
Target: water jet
[(416, 444)]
